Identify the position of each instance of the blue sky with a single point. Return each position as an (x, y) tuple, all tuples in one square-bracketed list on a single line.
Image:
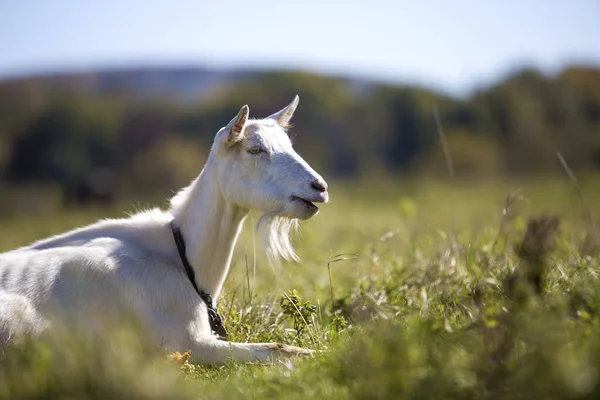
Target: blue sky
[(453, 45)]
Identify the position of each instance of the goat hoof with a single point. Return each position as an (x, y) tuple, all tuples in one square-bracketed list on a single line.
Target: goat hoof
[(290, 351)]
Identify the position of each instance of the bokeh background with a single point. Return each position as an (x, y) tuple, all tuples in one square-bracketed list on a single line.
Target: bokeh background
[(121, 100)]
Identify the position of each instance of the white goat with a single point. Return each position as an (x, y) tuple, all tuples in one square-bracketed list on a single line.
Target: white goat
[(135, 265)]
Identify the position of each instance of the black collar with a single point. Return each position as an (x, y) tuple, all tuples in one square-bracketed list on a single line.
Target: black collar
[(216, 322)]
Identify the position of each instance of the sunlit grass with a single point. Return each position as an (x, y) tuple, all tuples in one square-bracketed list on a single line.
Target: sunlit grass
[(443, 300)]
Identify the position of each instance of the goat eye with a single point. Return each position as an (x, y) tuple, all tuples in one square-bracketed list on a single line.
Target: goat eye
[(255, 150)]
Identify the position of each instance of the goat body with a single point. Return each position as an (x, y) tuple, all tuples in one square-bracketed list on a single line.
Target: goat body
[(131, 266)]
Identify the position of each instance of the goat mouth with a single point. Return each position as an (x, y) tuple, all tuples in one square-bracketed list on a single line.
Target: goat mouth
[(307, 203)]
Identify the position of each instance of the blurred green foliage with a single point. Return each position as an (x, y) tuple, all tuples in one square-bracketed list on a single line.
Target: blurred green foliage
[(103, 142)]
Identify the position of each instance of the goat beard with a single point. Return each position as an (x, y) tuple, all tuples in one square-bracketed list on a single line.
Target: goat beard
[(275, 233)]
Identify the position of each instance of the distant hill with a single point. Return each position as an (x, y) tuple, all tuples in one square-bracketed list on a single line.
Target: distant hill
[(181, 83), (148, 129), (178, 83)]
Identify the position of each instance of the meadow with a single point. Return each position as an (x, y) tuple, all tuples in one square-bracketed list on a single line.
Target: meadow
[(408, 288)]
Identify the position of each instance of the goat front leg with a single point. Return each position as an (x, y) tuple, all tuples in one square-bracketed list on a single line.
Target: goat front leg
[(208, 350)]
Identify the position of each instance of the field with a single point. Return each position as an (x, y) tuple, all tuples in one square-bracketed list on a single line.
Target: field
[(410, 289)]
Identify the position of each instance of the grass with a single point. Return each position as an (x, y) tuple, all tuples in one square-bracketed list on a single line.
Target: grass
[(493, 294)]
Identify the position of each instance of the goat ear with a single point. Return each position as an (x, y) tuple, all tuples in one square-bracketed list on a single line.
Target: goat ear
[(235, 128), (284, 116)]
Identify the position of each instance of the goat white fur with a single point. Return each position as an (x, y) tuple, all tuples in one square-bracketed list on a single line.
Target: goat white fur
[(132, 265)]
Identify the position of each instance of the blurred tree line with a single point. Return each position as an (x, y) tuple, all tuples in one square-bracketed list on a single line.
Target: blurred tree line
[(63, 142)]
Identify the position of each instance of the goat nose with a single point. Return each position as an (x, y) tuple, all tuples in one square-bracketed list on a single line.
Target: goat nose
[(319, 186)]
